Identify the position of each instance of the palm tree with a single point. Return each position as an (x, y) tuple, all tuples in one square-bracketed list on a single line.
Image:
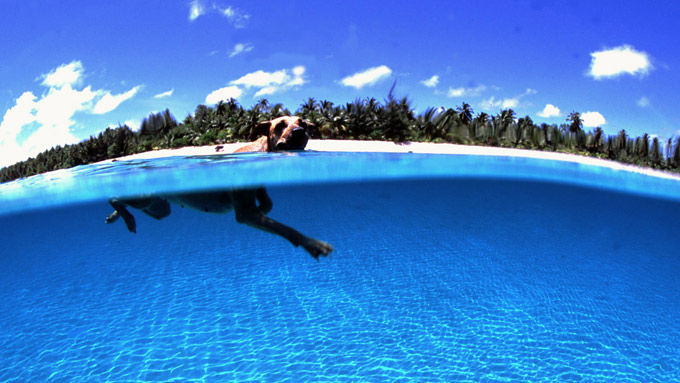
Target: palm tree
[(326, 108), (483, 127), (261, 106), (445, 123), (655, 156), (221, 108), (643, 150), (395, 117), (278, 110), (426, 124), (676, 154), (308, 108), (525, 131), (359, 123), (576, 122), (597, 140), (465, 113), (169, 120), (621, 144), (507, 116), (502, 122)]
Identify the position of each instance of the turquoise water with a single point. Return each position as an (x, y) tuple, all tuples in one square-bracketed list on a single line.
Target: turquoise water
[(447, 268)]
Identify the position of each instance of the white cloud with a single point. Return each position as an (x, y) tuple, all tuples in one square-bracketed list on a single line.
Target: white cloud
[(223, 94), (272, 82), (165, 94), (196, 10), (134, 125), (431, 82), (47, 137), (109, 102), (261, 79), (466, 92), (35, 124), (592, 119), (65, 74), (492, 103), (617, 61), (266, 91), (58, 106), (299, 70), (644, 102), (298, 76), (368, 77), (54, 114), (236, 17), (15, 118), (45, 122), (549, 111), (241, 48), (456, 92), (22, 113), (505, 103), (508, 103)]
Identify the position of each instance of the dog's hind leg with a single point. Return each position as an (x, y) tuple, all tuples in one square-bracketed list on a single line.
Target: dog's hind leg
[(249, 214), (121, 211)]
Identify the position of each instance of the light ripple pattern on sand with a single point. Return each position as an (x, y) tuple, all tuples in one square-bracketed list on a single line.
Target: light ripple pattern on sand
[(432, 281)]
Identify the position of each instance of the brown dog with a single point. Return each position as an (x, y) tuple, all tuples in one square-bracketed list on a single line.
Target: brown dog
[(249, 205)]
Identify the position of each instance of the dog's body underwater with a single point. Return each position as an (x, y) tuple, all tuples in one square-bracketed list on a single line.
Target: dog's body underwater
[(249, 205)]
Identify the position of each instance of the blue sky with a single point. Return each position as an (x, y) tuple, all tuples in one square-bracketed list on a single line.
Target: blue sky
[(71, 68)]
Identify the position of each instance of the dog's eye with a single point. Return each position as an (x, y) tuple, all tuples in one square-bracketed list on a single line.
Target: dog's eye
[(279, 127)]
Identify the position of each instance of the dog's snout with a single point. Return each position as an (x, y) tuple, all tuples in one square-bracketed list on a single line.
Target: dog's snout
[(298, 131)]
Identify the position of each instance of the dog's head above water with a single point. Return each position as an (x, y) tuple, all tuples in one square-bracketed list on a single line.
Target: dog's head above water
[(285, 133)]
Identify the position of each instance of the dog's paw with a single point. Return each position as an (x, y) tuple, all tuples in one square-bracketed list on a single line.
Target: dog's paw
[(132, 227), (130, 223), (113, 217), (317, 248)]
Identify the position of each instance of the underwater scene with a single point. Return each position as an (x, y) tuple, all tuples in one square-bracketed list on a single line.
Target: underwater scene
[(443, 268)]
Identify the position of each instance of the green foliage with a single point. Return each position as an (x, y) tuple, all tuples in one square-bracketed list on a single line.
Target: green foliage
[(394, 120), (362, 119), (576, 122), (208, 138)]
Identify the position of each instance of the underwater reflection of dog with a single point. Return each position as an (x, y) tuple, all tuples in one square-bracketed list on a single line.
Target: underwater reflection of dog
[(250, 205)]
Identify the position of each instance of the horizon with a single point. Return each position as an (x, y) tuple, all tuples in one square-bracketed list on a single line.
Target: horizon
[(73, 69)]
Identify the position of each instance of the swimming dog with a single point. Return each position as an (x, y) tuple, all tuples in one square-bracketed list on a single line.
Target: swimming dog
[(249, 205)]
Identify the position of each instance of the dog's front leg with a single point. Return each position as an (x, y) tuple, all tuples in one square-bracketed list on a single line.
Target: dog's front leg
[(266, 203), (249, 214)]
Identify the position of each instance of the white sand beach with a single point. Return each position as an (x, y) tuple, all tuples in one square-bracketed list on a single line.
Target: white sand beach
[(408, 147)]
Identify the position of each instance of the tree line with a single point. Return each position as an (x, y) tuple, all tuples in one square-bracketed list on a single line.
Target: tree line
[(363, 119)]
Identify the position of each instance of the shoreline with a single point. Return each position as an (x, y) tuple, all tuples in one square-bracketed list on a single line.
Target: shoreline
[(407, 147)]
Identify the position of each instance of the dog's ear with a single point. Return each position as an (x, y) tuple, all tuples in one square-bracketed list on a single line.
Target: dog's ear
[(261, 129), (313, 131)]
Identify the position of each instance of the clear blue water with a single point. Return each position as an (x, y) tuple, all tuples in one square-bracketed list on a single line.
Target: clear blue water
[(447, 268)]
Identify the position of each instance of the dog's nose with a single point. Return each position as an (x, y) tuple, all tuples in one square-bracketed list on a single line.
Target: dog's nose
[(298, 131)]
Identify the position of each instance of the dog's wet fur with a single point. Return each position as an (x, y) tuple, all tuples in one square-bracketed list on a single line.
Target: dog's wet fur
[(250, 205)]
